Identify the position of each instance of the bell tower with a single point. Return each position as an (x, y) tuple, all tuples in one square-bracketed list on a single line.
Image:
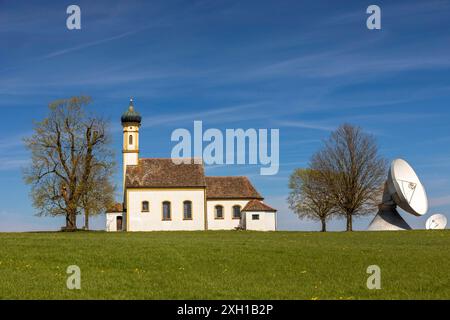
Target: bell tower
[(131, 121)]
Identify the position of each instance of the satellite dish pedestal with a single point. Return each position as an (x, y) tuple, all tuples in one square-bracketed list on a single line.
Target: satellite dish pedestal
[(388, 218), (404, 189)]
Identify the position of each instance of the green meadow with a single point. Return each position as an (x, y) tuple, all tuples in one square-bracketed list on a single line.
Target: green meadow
[(225, 265)]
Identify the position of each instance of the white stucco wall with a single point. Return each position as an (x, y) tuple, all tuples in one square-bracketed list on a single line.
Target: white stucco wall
[(227, 223), (266, 222), (130, 158), (152, 220), (111, 221), (130, 151), (130, 130)]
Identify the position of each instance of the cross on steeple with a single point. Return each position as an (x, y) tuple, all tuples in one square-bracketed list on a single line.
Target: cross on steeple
[(131, 107)]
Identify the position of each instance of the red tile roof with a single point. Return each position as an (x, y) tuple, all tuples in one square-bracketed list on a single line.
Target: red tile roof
[(164, 173), (256, 205), (230, 188)]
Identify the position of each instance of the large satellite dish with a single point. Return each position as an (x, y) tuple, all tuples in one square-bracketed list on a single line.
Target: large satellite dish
[(404, 189), (436, 222)]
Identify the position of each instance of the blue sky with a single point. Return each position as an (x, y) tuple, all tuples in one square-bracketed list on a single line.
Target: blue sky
[(303, 67)]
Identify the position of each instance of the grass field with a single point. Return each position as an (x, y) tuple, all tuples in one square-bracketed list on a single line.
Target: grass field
[(225, 265)]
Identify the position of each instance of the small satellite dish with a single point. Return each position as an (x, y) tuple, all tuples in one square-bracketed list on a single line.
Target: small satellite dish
[(436, 222), (404, 189)]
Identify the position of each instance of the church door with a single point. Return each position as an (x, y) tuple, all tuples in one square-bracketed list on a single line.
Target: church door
[(119, 223)]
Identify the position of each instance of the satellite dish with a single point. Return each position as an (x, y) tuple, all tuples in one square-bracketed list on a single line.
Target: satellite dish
[(436, 222), (404, 189), (409, 193)]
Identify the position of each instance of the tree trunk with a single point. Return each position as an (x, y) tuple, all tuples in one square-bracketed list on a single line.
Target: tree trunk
[(71, 221), (349, 222), (324, 225), (86, 219)]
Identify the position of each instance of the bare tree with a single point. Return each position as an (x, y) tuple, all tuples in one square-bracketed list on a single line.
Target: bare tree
[(67, 148), (353, 171), (309, 197)]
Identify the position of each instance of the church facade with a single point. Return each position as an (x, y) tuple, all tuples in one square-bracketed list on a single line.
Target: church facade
[(162, 194)]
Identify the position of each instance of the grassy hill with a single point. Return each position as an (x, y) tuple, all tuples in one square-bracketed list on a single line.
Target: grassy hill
[(225, 265)]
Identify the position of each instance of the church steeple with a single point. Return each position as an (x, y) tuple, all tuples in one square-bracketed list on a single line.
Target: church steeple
[(131, 121)]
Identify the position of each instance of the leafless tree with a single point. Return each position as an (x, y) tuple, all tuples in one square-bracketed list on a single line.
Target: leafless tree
[(309, 197), (67, 149), (353, 170)]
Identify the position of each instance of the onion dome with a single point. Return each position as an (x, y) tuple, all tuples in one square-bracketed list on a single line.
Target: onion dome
[(131, 116)]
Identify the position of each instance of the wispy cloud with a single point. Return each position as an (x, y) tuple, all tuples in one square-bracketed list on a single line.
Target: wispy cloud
[(399, 10), (221, 115), (84, 45), (368, 119), (12, 153), (434, 162), (440, 201), (306, 125), (7, 164), (345, 62), (93, 43), (213, 115), (13, 141)]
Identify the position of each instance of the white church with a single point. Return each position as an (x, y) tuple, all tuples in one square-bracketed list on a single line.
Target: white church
[(159, 194)]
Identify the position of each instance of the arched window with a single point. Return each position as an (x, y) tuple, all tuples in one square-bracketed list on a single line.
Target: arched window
[(187, 210), (166, 211), (130, 140), (236, 212), (218, 212), (145, 206)]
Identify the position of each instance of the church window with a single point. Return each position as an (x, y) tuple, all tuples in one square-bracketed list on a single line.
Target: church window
[(166, 210), (145, 206), (255, 216), (130, 139), (219, 212), (187, 210), (236, 212)]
